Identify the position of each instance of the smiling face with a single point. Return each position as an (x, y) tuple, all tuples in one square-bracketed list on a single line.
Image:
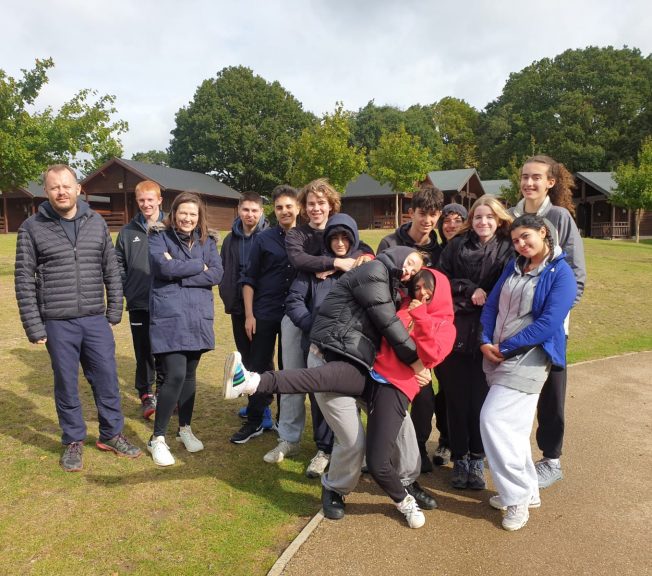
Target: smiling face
[(286, 210), (62, 190), (318, 209), (484, 223), (535, 182), (186, 217), (149, 204), (250, 213), (413, 263), (423, 222), (422, 292), (451, 225), (339, 244), (530, 243)]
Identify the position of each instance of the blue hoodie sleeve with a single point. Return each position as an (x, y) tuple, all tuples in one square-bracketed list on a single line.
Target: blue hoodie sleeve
[(214, 272), (296, 306)]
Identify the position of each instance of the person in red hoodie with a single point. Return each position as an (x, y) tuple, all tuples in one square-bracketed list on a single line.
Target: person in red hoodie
[(391, 384)]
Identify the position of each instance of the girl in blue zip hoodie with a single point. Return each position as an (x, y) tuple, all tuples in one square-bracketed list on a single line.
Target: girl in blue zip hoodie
[(522, 340)]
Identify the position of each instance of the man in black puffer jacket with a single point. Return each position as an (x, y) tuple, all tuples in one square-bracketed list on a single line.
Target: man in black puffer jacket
[(64, 261)]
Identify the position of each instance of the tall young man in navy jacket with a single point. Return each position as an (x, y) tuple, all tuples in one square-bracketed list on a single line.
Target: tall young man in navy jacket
[(265, 284)]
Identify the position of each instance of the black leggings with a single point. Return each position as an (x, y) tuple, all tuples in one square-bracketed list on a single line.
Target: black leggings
[(386, 404), (178, 389)]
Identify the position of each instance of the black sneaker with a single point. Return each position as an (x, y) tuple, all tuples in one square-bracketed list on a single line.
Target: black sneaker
[(424, 500), (442, 455), (120, 446), (332, 503), (248, 431), (71, 459), (149, 405)]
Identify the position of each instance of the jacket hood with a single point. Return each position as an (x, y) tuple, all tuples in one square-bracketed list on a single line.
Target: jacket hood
[(394, 257), (341, 223), (441, 293), (238, 230), (48, 211)]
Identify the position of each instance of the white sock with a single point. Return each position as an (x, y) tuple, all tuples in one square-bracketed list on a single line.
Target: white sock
[(553, 462)]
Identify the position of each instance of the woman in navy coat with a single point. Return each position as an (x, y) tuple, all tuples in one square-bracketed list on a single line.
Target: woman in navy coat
[(185, 266)]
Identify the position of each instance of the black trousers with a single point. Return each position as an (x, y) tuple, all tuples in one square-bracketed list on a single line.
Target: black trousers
[(148, 367), (387, 407), (261, 359), (550, 414), (179, 389), (465, 387)]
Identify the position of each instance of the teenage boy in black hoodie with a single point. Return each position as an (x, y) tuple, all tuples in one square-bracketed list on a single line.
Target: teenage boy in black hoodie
[(425, 210), (131, 249)]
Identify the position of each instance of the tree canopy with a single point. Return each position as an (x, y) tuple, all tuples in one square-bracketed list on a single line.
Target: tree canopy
[(456, 123), (82, 133), (324, 151), (587, 108), (635, 184), (238, 127), (159, 157)]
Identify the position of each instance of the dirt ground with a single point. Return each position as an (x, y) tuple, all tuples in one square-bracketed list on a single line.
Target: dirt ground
[(596, 521)]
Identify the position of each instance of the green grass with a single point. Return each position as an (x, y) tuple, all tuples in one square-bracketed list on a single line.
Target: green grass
[(222, 511)]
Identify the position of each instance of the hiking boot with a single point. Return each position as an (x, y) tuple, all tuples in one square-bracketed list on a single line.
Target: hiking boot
[(71, 459), (497, 503), (424, 500), (283, 449), (268, 421), (548, 473), (476, 474), (149, 405), (442, 455), (247, 431), (119, 445), (318, 464), (189, 440), (515, 517), (460, 478), (332, 504), (410, 509), (237, 380), (160, 451), (426, 464)]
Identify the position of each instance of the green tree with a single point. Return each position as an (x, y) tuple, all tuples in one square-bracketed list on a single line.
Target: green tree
[(324, 151), (81, 133), (457, 123), (587, 108), (372, 121), (401, 161), (238, 127), (159, 157), (635, 184)]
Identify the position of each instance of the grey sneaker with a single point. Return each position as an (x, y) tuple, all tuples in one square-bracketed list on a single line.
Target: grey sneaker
[(120, 446), (476, 474), (318, 464), (547, 473), (71, 459), (283, 449), (149, 405), (460, 478), (516, 517), (442, 456)]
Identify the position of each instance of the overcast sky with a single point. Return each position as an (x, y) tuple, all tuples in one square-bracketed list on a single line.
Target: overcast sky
[(153, 54)]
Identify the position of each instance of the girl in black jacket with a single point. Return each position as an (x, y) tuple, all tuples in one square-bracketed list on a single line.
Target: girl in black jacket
[(473, 261)]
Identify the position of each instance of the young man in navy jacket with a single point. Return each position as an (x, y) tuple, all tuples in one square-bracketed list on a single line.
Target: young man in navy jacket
[(265, 284)]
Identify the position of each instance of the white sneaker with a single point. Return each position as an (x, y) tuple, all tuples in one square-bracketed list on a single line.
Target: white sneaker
[(515, 517), (410, 509), (190, 441), (238, 381), (283, 449), (160, 451), (497, 503), (318, 464)]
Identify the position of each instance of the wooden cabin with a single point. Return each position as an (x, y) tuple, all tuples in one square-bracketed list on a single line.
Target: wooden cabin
[(462, 186), (117, 179)]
